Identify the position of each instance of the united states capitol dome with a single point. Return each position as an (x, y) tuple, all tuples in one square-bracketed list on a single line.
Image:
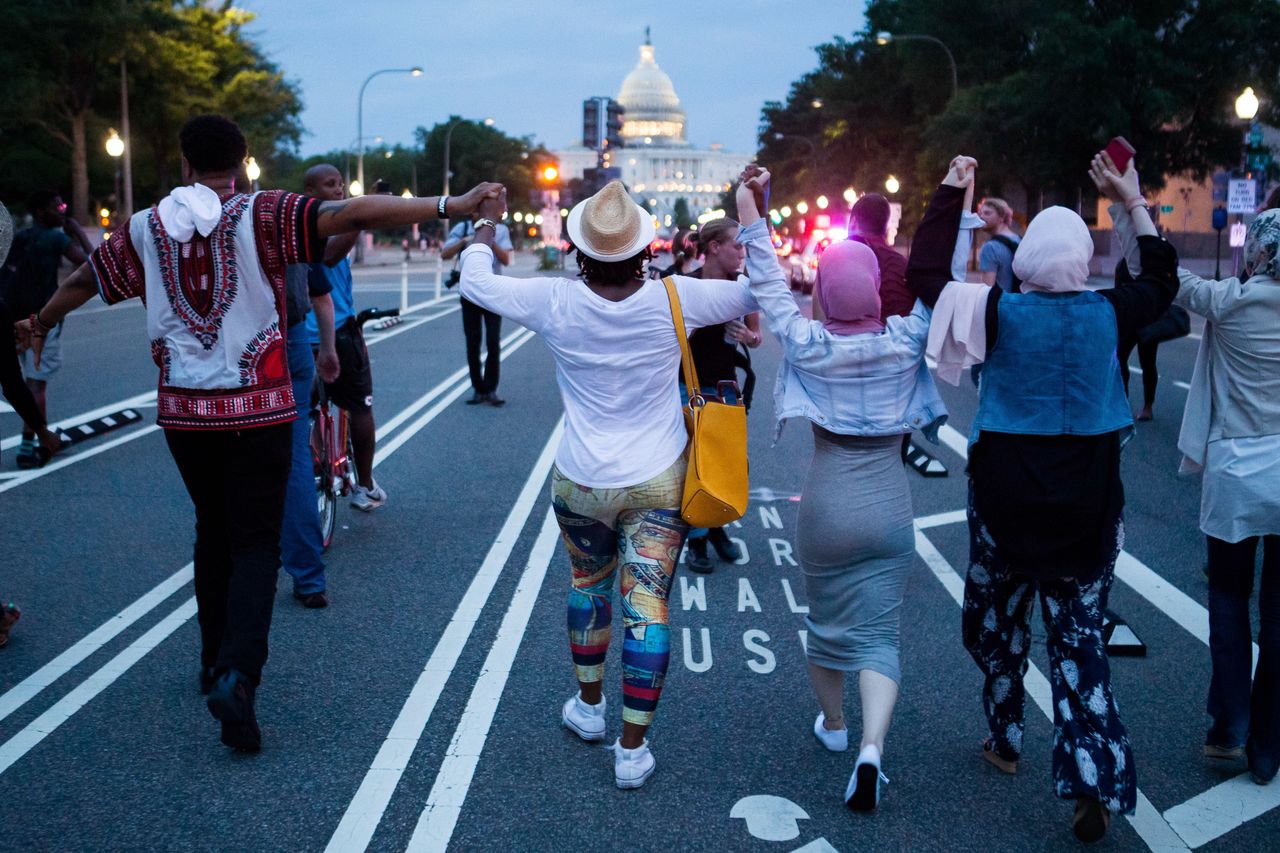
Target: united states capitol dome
[(653, 114)]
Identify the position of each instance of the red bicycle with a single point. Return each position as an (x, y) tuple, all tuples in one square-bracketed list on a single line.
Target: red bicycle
[(332, 456)]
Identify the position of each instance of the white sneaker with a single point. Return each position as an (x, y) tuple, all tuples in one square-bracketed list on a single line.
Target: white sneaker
[(862, 794), (836, 741), (585, 721), (367, 500), (632, 767)]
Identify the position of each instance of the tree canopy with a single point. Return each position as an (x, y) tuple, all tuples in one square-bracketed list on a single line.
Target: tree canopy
[(1042, 86), (183, 57)]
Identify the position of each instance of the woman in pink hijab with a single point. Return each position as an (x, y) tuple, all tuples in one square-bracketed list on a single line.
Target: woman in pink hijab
[(862, 384)]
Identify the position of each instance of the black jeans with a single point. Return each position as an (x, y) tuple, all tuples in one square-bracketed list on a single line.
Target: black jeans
[(472, 317), (1245, 714), (237, 481)]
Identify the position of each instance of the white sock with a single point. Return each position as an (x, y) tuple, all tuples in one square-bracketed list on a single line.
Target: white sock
[(870, 755)]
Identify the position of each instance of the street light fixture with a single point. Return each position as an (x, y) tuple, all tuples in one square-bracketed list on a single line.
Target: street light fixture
[(822, 202), (883, 38), (891, 184), (356, 188), (115, 145), (415, 71), (850, 195), (253, 171), (802, 208), (816, 103), (1247, 104)]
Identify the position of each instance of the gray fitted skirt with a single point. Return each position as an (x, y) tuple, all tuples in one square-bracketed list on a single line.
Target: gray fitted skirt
[(855, 541)]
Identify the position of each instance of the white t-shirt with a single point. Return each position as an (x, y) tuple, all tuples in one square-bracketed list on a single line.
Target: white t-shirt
[(616, 362)]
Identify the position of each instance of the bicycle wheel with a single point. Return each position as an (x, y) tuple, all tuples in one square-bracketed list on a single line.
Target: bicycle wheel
[(326, 498)]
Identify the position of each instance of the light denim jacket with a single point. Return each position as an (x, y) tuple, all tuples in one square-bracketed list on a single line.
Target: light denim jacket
[(870, 384)]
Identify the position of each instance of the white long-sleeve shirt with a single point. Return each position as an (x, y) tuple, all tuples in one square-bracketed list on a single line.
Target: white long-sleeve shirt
[(616, 362)]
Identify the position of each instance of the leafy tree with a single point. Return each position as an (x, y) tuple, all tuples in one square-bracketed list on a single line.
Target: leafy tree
[(1041, 87), (680, 213), (478, 152)]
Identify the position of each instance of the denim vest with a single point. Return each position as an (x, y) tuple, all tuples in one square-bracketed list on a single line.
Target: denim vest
[(1054, 369)]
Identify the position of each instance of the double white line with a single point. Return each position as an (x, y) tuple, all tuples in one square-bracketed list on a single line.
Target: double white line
[(20, 744)]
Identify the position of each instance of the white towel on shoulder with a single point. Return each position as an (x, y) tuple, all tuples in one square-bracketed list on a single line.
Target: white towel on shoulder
[(187, 210), (958, 329)]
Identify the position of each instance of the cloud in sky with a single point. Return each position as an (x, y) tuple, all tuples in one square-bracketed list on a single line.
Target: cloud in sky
[(529, 65)]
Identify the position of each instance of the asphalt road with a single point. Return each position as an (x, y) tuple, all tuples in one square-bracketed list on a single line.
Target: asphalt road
[(421, 710)]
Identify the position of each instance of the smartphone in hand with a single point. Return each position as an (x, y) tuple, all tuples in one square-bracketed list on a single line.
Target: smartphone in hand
[(1121, 153)]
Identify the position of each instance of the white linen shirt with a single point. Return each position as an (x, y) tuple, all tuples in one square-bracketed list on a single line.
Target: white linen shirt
[(616, 362)]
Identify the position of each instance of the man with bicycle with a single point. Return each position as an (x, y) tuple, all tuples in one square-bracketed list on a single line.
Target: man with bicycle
[(352, 391)]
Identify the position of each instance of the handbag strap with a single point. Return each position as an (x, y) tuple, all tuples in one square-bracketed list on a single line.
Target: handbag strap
[(686, 357)]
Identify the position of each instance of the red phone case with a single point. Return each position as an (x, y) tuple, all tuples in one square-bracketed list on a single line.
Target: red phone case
[(1120, 152)]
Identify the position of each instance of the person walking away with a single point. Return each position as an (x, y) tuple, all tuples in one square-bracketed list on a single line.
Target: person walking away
[(484, 383), (210, 262), (352, 391), (619, 472), (716, 357), (863, 383), (1045, 497), (995, 258), (31, 278), (1231, 436), (301, 539)]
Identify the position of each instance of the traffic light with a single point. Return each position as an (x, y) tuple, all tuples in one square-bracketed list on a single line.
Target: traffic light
[(591, 123), (613, 124)]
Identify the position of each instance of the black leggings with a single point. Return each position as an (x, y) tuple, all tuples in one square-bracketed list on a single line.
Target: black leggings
[(11, 382), (1146, 358)]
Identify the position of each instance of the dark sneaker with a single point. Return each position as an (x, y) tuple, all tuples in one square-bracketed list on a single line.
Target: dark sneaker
[(1090, 821), (312, 600), (231, 703), (726, 548), (496, 401), (696, 556), (477, 398), (9, 615)]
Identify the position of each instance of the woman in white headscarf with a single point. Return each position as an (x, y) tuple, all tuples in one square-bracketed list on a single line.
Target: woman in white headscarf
[(1045, 498), (1231, 432)]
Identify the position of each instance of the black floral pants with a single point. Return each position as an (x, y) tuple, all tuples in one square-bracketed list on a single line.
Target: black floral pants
[(1091, 752)]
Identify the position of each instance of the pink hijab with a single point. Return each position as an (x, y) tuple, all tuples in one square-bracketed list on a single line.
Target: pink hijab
[(848, 288)]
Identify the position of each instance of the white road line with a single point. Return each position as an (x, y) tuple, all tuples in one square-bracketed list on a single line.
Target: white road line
[(365, 811), (59, 464), (1221, 809), (136, 401), (48, 722), (941, 519), (63, 663), (444, 804), (29, 687), (954, 439), (1147, 821)]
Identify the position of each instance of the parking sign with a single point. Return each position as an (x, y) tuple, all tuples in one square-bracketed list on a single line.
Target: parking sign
[(1242, 196)]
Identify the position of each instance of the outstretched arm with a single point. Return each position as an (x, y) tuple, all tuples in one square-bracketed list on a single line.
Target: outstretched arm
[(383, 211), (929, 267)]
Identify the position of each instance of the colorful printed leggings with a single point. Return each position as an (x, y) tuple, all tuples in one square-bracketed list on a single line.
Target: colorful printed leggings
[(1091, 752), (639, 527)]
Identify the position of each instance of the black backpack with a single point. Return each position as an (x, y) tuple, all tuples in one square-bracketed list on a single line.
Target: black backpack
[(1012, 246), (17, 277)]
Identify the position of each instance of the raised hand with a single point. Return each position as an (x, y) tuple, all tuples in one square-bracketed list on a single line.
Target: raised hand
[(755, 180), (961, 172), (1110, 183), (494, 207), (467, 203)]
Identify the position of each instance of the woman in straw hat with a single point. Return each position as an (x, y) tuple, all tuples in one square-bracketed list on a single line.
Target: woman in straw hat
[(620, 467)]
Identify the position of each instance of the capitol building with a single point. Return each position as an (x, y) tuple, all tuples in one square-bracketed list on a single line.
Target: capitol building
[(657, 163)]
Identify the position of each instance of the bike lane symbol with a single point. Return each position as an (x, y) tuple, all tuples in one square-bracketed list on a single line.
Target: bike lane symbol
[(771, 818)]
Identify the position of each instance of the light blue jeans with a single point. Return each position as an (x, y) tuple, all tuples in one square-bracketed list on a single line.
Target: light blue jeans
[(301, 543)]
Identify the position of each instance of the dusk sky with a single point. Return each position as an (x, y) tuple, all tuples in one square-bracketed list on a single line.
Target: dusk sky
[(529, 65)]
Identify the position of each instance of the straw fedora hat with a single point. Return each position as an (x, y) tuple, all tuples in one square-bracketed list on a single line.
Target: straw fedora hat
[(609, 226)]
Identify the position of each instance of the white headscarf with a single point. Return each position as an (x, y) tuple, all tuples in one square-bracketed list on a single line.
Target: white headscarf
[(1054, 254), (189, 209)]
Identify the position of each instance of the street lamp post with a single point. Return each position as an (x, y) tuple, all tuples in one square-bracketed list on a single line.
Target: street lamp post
[(415, 71), (448, 138), (883, 38), (115, 148), (253, 171)]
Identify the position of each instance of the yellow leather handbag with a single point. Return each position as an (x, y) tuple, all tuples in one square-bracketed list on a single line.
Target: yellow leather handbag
[(715, 487)]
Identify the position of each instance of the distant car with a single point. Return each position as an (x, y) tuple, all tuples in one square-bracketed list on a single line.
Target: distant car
[(804, 261)]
